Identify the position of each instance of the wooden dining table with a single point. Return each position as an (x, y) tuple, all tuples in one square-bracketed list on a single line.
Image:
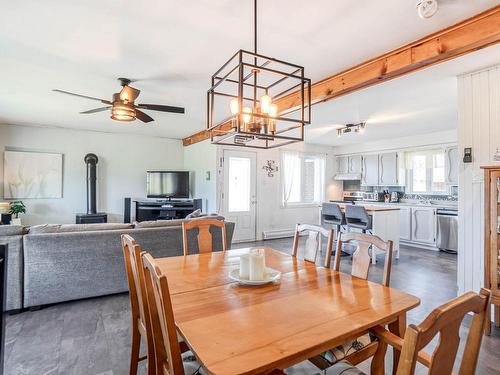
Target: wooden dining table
[(236, 329)]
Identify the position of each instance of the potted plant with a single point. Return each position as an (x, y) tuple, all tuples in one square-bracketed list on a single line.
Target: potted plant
[(16, 208)]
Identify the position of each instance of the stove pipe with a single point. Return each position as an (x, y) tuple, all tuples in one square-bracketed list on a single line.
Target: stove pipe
[(91, 161)]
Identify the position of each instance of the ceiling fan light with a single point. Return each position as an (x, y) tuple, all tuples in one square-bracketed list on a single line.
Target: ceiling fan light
[(122, 113)]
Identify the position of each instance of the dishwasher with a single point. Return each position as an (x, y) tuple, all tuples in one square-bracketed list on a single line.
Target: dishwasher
[(447, 230)]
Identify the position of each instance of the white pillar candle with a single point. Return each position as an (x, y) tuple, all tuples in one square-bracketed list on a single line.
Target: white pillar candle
[(257, 265), (245, 266)]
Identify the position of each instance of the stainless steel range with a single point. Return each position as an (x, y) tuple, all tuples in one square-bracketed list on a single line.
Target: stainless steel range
[(350, 197)]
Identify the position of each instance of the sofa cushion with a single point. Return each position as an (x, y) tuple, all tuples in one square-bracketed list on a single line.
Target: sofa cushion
[(11, 230), (211, 216), (195, 213), (65, 228), (158, 223)]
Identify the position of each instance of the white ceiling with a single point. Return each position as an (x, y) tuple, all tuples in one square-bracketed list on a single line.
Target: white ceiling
[(172, 47)]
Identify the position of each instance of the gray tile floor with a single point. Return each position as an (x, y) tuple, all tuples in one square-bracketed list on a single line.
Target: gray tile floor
[(89, 337)]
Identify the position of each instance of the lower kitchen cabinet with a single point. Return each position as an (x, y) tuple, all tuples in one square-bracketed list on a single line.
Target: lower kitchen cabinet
[(423, 225), (405, 223), (417, 226)]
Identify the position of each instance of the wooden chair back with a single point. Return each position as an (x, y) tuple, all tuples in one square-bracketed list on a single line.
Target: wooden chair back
[(313, 241), (204, 235), (137, 292), (361, 259), (167, 348), (446, 321)]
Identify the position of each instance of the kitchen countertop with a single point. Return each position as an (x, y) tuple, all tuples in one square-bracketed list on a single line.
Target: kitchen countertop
[(373, 208), (435, 204), (413, 204)]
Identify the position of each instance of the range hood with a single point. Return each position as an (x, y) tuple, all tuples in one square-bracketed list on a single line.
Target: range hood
[(347, 176)]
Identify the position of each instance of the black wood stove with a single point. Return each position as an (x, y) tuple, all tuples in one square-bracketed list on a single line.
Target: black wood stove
[(92, 216)]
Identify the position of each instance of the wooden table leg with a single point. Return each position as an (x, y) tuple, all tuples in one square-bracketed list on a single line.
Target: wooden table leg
[(397, 327)]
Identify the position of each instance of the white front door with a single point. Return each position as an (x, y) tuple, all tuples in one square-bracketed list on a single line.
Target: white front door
[(239, 189)]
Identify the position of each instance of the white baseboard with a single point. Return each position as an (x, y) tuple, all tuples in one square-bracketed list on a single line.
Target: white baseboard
[(279, 233)]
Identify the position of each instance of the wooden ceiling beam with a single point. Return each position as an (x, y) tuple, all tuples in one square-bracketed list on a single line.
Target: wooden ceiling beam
[(465, 37)]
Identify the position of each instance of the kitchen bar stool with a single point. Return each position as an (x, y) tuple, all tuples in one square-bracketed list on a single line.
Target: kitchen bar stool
[(357, 217), (333, 215)]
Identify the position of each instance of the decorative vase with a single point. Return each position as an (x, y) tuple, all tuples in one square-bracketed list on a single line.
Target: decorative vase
[(15, 221)]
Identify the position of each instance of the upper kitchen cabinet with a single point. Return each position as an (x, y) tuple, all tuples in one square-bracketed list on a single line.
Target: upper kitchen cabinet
[(451, 165), (370, 170), (391, 169), (348, 167), (355, 164), (342, 164)]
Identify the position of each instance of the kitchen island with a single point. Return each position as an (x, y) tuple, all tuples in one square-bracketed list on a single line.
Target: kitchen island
[(385, 223)]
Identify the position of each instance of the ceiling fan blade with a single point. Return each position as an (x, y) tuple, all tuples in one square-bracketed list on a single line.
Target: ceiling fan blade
[(129, 94), (162, 108), (142, 116), (82, 96), (95, 110)]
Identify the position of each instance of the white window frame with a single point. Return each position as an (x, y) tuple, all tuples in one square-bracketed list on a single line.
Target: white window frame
[(303, 156), (429, 176)]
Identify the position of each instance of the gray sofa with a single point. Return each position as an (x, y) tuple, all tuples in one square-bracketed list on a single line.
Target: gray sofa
[(12, 235), (67, 262)]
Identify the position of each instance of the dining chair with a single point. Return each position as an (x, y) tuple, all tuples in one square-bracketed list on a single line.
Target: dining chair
[(166, 345), (312, 242), (139, 306), (204, 236), (360, 348), (445, 321)]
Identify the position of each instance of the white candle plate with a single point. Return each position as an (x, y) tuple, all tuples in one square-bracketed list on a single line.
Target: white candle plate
[(269, 277)]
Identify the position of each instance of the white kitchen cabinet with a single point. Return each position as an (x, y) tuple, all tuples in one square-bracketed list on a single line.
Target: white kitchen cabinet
[(391, 169), (405, 223), (355, 164), (423, 225), (451, 165), (388, 169), (342, 164), (370, 172)]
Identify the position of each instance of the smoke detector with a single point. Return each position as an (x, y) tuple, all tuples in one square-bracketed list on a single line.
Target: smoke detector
[(427, 8)]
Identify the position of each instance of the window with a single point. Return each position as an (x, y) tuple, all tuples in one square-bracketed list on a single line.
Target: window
[(426, 171), (302, 178), (239, 184)]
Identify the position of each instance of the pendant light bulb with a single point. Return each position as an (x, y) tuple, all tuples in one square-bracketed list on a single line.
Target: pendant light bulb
[(273, 110), (247, 114), (265, 103), (235, 106)]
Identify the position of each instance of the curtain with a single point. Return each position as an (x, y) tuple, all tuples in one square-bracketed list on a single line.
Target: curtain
[(290, 166)]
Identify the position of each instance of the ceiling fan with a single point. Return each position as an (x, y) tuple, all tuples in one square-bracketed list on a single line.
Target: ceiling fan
[(123, 107)]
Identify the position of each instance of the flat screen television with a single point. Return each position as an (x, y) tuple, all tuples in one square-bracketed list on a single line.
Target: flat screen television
[(167, 184)]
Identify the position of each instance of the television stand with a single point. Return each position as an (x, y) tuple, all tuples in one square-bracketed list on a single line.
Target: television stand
[(165, 209)]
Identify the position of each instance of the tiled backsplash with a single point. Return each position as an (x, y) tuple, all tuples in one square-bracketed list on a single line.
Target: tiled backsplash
[(356, 186), (432, 197)]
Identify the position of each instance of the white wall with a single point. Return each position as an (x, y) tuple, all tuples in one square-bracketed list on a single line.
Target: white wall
[(271, 216), (123, 162), (390, 144), (201, 158), (479, 128)]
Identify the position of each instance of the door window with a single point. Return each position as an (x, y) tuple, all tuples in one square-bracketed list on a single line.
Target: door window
[(239, 184)]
